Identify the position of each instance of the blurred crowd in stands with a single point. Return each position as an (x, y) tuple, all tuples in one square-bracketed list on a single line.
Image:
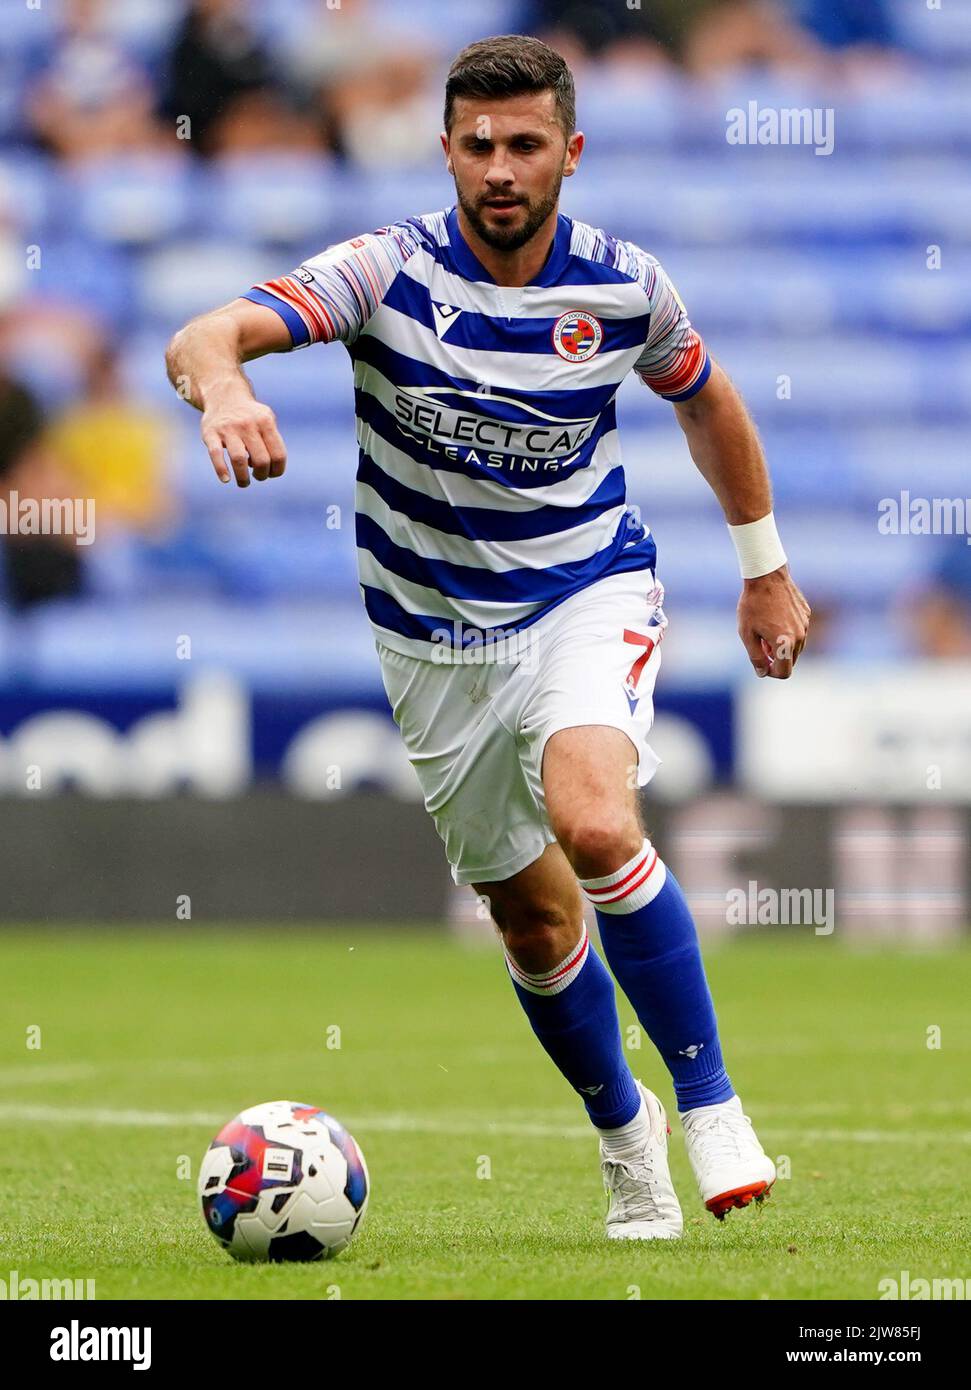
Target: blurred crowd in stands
[(345, 78), (357, 84)]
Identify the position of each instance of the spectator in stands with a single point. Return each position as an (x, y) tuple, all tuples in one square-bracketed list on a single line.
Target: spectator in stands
[(858, 35), (851, 23), (113, 450), (47, 343), (943, 611), (90, 97), (746, 34), (34, 567), (222, 79), (374, 88), (13, 269), (594, 29), (703, 36)]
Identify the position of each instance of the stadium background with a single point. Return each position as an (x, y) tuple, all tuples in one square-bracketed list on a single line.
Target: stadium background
[(205, 816), (191, 704)]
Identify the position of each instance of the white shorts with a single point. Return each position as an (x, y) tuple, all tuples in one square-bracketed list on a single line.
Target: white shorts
[(475, 733)]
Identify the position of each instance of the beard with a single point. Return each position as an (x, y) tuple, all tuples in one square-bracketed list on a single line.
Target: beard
[(510, 238)]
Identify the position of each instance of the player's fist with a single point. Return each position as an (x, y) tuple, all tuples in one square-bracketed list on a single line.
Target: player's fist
[(237, 427), (773, 623)]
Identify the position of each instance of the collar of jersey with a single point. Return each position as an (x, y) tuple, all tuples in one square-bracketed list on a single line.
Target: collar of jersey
[(471, 268)]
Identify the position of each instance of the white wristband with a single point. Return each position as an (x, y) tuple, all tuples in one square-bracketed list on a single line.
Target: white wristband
[(758, 547)]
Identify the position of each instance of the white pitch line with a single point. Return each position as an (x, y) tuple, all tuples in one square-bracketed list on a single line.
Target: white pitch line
[(416, 1124), (41, 1073), (100, 1115)]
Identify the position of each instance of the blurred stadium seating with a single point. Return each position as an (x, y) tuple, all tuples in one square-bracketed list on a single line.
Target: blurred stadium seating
[(792, 265)]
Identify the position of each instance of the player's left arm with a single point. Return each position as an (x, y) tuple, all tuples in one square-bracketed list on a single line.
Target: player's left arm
[(773, 615)]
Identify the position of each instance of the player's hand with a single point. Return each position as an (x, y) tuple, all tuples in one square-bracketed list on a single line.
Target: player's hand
[(240, 427), (773, 622)]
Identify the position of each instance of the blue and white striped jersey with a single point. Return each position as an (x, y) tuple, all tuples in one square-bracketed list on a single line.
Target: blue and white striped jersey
[(489, 486)]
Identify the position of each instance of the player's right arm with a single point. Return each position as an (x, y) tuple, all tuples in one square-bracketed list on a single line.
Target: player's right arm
[(205, 365), (328, 299)]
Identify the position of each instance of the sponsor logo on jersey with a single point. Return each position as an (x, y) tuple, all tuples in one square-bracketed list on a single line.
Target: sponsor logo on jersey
[(429, 412), (577, 335)]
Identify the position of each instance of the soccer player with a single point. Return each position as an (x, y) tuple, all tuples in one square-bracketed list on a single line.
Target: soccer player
[(513, 593)]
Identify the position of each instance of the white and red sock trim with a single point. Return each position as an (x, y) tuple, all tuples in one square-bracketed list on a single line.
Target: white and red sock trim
[(633, 885), (557, 979)]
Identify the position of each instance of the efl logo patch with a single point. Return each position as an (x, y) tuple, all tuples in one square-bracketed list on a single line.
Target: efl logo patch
[(577, 335)]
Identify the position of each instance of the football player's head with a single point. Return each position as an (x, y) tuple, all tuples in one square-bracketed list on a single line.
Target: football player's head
[(509, 138)]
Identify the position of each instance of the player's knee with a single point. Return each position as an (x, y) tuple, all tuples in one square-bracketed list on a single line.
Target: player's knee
[(530, 930), (599, 845)]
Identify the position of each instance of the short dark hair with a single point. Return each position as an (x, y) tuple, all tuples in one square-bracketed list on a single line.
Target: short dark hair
[(510, 65)]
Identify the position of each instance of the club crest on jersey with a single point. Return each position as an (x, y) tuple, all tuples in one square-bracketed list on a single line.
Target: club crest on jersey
[(577, 335)]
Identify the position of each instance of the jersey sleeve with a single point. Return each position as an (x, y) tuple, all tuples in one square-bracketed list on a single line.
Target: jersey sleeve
[(332, 295), (675, 361)]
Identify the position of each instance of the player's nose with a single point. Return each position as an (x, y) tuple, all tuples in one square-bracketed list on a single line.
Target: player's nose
[(499, 175)]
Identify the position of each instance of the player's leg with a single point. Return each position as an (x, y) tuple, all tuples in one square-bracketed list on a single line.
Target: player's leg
[(562, 984), (457, 725), (651, 943), (568, 997), (497, 841), (646, 927)]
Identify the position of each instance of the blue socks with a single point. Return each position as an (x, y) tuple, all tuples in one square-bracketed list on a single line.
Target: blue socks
[(651, 945), (573, 1012)]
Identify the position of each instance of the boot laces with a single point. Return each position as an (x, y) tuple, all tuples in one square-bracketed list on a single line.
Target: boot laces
[(726, 1137), (633, 1187)]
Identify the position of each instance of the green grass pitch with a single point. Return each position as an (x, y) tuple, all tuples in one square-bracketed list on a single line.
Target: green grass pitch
[(151, 1040)]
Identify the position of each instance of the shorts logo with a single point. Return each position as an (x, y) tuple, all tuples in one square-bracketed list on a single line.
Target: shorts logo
[(577, 335), (637, 639)]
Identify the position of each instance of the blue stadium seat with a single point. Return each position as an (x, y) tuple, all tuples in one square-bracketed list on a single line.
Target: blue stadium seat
[(305, 646), (98, 278), (788, 198), (942, 35), (888, 291), (697, 564), (446, 28), (313, 385), (188, 277), (274, 198), (618, 115), (845, 376), (135, 201), (31, 193)]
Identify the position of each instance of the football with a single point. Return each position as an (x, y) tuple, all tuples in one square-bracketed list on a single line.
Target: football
[(283, 1181)]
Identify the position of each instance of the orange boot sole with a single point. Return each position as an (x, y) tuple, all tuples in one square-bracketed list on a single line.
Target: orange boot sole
[(721, 1205)]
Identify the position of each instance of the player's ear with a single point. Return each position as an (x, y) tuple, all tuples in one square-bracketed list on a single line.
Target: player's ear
[(574, 149), (448, 160)]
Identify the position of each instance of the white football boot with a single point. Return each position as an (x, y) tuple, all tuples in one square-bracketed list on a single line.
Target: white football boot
[(729, 1163), (643, 1204)]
